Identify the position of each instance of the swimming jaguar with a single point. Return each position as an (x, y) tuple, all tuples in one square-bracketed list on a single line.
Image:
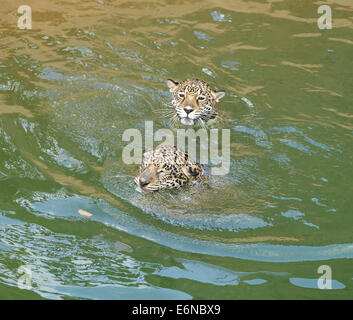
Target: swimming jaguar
[(167, 167), (194, 101)]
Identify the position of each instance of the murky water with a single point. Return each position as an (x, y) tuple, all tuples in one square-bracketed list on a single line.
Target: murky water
[(88, 70)]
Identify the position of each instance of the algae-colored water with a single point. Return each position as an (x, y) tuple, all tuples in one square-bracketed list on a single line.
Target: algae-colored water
[(89, 70)]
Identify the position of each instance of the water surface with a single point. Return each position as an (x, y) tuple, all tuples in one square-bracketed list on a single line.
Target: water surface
[(88, 70)]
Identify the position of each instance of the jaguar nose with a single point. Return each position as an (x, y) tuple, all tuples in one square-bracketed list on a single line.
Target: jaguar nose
[(146, 177), (188, 110), (143, 182)]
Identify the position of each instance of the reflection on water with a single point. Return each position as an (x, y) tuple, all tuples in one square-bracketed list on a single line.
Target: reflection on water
[(87, 71)]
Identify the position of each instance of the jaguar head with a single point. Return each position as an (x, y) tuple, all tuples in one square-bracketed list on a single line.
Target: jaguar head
[(166, 167), (194, 101)]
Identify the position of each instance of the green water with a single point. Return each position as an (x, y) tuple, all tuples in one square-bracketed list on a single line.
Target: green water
[(88, 70)]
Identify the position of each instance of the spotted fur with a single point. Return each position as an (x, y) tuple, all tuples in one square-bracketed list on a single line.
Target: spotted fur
[(194, 101), (167, 167)]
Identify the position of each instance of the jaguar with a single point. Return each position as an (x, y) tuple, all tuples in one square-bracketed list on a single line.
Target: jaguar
[(194, 101), (167, 167)]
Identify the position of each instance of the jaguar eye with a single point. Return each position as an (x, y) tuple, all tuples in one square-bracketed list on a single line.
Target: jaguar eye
[(193, 171), (201, 98), (181, 95)]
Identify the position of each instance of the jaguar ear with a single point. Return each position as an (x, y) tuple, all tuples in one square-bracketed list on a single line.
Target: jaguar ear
[(218, 95), (144, 151), (171, 84)]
